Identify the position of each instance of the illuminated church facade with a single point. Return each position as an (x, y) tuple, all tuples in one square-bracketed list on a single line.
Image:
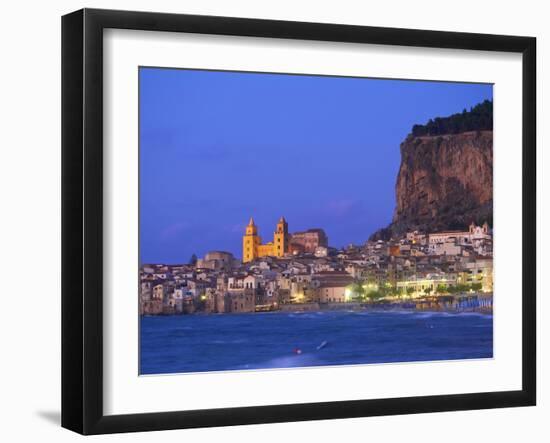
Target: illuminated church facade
[(252, 242), (283, 243)]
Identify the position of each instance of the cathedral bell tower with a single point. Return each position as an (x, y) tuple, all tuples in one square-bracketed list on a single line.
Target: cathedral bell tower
[(281, 240), (251, 241)]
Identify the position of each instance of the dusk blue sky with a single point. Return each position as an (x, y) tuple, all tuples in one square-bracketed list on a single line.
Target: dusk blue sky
[(219, 147)]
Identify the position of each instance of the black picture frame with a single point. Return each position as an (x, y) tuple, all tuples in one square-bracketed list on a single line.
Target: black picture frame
[(82, 218)]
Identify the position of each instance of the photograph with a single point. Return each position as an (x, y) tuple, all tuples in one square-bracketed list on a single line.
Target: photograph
[(275, 222), (299, 220)]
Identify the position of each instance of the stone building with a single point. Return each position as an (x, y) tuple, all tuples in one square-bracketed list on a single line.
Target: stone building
[(216, 260), (308, 241), (151, 307), (242, 301), (331, 286), (471, 237), (158, 291)]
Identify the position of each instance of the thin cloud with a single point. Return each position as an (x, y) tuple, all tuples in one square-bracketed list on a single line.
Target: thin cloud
[(174, 230)]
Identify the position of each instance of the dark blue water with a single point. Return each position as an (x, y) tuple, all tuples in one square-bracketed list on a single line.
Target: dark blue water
[(197, 343)]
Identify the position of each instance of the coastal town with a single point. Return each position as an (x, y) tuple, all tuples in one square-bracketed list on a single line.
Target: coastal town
[(299, 271)]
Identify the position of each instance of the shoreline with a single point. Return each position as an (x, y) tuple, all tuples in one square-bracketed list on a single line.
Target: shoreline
[(466, 303)]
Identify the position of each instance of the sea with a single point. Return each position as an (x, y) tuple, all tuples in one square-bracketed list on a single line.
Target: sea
[(227, 342)]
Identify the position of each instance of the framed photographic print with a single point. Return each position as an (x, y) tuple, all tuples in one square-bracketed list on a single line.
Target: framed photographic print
[(269, 221)]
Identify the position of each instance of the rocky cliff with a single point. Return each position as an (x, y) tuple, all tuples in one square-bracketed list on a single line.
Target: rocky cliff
[(444, 182)]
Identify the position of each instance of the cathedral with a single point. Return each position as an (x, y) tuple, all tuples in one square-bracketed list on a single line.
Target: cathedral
[(252, 242), (283, 243)]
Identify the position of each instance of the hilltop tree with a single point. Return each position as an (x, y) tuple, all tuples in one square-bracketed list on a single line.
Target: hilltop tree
[(193, 260), (478, 118)]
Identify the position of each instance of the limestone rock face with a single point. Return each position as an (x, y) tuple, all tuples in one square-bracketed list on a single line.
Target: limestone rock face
[(444, 182)]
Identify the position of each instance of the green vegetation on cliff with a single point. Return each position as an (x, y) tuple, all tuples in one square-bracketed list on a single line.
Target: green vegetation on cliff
[(478, 118)]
